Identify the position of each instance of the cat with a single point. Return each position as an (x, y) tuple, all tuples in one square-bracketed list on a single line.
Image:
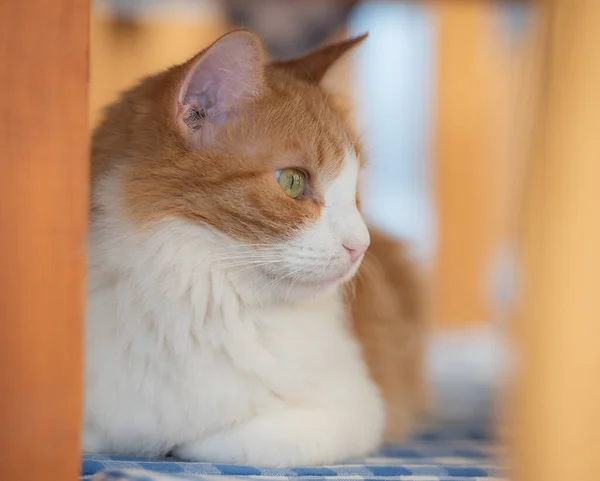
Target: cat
[(224, 319)]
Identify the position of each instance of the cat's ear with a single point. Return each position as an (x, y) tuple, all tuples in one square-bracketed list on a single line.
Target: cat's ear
[(219, 82), (313, 66)]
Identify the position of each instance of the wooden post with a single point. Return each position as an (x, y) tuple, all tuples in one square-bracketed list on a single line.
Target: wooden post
[(471, 172), (556, 410), (43, 210)]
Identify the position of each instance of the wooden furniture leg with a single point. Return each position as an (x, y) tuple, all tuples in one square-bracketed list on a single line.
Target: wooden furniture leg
[(556, 410), (471, 169), (43, 210)]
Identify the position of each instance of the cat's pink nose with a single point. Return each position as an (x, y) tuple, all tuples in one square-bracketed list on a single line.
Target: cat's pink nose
[(355, 249)]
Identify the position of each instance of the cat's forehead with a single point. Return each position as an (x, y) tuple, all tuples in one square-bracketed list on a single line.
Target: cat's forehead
[(300, 129), (320, 156)]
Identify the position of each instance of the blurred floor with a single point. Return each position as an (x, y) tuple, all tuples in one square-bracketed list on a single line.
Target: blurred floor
[(466, 370)]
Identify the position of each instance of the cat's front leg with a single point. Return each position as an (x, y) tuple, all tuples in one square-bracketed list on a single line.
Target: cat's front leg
[(293, 437)]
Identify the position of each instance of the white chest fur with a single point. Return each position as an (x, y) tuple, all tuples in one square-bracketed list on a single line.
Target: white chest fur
[(177, 360)]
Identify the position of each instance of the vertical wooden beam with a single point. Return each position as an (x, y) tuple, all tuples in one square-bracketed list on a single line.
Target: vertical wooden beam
[(43, 211), (556, 415), (473, 73)]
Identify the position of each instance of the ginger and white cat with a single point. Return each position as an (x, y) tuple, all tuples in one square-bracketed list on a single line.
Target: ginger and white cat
[(224, 228)]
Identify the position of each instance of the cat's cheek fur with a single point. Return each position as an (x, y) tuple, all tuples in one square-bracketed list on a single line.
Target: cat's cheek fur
[(340, 224)]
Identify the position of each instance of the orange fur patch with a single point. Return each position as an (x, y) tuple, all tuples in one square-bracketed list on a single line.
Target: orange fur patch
[(389, 315)]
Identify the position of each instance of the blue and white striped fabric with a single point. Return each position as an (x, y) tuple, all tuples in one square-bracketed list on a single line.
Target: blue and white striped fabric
[(448, 453)]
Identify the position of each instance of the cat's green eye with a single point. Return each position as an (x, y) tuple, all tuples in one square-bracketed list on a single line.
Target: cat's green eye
[(292, 181)]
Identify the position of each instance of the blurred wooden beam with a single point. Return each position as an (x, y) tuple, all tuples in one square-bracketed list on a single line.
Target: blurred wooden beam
[(472, 175), (43, 210), (556, 410)]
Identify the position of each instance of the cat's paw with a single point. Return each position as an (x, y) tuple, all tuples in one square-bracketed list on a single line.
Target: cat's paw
[(289, 438)]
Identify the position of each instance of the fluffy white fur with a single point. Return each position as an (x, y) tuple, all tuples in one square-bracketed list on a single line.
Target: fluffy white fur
[(223, 352)]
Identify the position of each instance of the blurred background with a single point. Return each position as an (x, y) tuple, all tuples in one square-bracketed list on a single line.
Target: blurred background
[(441, 174)]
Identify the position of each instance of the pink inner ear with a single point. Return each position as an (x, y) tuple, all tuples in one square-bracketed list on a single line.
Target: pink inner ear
[(224, 78)]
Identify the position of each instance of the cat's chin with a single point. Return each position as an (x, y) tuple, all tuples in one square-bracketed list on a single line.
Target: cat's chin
[(313, 291), (308, 287)]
